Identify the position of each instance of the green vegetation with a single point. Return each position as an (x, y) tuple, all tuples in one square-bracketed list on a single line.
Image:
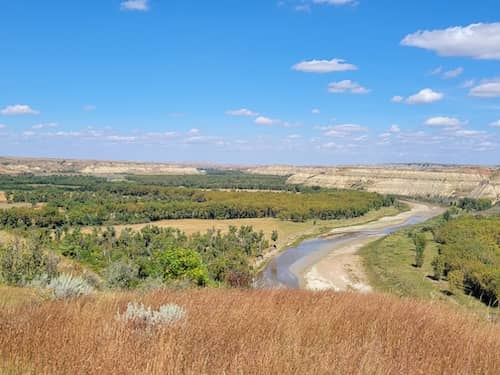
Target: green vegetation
[(101, 202), (461, 263), (218, 179), (470, 252), (124, 259)]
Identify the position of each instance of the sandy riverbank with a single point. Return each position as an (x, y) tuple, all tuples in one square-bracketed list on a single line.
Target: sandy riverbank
[(341, 268)]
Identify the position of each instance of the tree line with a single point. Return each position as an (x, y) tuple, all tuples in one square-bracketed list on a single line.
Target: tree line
[(126, 203)]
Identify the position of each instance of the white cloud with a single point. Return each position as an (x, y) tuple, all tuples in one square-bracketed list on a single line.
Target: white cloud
[(453, 73), (294, 136), (29, 133), (467, 84), (343, 130), (334, 2), (2, 126), (315, 111), (486, 89), (45, 126), (424, 96), (394, 129), (89, 107), (449, 122), (436, 71), (480, 41), (469, 133), (324, 66), (121, 138), (193, 132), (495, 124), (397, 99), (136, 5), (241, 112), (266, 121), (18, 109), (347, 86), (303, 8)]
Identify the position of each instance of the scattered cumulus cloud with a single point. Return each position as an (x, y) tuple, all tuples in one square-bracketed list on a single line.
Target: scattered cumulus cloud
[(394, 128), (315, 111), (135, 5), (344, 130), (241, 112), (193, 132), (303, 8), (18, 109), (469, 133), (324, 66), (45, 126), (424, 96), (495, 124), (334, 2), (479, 41), (453, 73), (266, 121), (486, 89), (436, 71), (467, 84), (449, 122), (347, 86)]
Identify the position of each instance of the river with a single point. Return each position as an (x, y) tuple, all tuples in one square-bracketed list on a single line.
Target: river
[(290, 268)]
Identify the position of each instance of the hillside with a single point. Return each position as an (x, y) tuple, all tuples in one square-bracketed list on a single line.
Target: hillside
[(247, 332), (426, 180), (408, 180)]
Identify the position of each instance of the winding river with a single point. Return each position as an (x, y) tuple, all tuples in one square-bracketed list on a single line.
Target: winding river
[(288, 269)]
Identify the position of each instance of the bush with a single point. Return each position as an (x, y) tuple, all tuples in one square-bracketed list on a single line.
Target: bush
[(141, 317), (122, 275), (22, 262), (68, 286)]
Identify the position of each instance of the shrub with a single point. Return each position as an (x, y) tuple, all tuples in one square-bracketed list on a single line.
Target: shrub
[(145, 317), (122, 275), (68, 286), (22, 262)]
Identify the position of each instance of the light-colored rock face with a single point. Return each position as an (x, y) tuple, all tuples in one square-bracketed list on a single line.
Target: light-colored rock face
[(55, 166), (432, 181)]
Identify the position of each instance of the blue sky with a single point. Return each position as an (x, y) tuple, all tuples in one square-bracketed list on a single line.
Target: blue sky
[(262, 81)]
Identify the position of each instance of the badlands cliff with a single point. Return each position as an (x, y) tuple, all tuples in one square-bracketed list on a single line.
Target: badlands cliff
[(410, 180), (402, 179)]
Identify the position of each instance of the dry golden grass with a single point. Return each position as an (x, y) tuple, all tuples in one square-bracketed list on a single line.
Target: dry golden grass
[(249, 332), (13, 297)]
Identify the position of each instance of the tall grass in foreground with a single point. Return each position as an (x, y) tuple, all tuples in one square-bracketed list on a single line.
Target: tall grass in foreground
[(249, 332)]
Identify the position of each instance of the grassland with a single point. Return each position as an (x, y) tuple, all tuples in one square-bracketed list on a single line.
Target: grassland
[(389, 266), (248, 332)]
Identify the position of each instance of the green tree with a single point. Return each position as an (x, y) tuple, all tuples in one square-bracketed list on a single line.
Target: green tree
[(274, 236), (420, 242)]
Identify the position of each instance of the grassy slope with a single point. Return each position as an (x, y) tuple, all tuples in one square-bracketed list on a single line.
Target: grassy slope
[(249, 332), (389, 265)]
